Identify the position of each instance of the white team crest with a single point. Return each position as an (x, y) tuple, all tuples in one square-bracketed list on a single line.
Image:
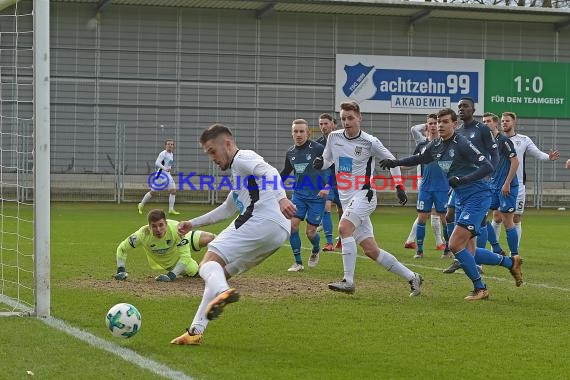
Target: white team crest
[(472, 135), (451, 153), (308, 156), (358, 151), (466, 216)]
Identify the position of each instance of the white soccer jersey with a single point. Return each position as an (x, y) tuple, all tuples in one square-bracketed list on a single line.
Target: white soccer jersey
[(165, 160), (355, 157), (524, 146), (253, 198)]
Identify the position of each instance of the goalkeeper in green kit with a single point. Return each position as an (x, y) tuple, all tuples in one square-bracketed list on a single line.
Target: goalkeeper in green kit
[(165, 248)]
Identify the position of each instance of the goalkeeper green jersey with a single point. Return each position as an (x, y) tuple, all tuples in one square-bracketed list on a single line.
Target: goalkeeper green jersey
[(162, 253)]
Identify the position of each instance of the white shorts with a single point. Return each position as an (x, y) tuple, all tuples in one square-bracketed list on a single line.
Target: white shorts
[(521, 200), (161, 181), (250, 244), (358, 213)]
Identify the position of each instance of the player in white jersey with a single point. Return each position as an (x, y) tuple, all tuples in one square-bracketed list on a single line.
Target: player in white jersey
[(419, 132), (524, 146), (353, 152), (162, 178), (261, 227)]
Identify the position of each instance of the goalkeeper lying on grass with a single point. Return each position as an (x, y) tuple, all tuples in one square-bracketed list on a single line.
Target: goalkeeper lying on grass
[(165, 248)]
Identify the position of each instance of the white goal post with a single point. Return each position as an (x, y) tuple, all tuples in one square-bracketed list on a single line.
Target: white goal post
[(25, 158)]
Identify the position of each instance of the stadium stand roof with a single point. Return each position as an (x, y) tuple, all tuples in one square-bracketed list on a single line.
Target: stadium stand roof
[(416, 11)]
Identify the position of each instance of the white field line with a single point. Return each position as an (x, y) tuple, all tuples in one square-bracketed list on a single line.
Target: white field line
[(501, 279), (122, 352)]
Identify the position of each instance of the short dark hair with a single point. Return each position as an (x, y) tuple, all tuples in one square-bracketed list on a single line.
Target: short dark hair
[(491, 115), (326, 116), (469, 99), (350, 106), (447, 111), (431, 116), (156, 215), (213, 131)]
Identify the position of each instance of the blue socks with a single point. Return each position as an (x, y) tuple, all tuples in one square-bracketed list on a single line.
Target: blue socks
[(420, 236), (316, 242), (513, 241), (467, 262), (482, 237), (328, 226), (295, 241)]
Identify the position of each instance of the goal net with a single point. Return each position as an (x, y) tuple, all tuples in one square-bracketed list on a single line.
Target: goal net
[(24, 158)]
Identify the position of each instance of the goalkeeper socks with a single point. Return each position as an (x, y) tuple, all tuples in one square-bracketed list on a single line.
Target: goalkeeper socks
[(316, 242), (388, 261), (146, 198), (328, 226), (497, 227), (467, 262), (412, 235), (171, 200), (484, 256), (513, 241), (349, 258), (482, 237), (295, 241), (436, 228), (420, 235)]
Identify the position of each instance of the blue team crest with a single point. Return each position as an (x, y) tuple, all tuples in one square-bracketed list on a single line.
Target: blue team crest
[(357, 150), (452, 153), (355, 77)]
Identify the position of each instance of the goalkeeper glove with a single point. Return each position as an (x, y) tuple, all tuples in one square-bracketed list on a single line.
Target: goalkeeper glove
[(318, 163), (388, 164), (121, 274), (401, 193), (454, 182), (166, 277)]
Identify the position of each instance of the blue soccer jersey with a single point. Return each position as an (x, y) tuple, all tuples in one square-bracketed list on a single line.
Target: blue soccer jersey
[(308, 180), (433, 178), (481, 136), (506, 152)]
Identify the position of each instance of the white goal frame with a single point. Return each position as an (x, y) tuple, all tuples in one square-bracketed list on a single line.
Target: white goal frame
[(41, 164)]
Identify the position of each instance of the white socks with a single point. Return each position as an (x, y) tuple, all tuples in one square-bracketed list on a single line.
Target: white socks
[(393, 265), (412, 235), (497, 228), (215, 283), (349, 258), (146, 198), (518, 227), (436, 228), (171, 199)]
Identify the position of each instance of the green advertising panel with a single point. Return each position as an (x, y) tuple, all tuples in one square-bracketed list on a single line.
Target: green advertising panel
[(530, 89)]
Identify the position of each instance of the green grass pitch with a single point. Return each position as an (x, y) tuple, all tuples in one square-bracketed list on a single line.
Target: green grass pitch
[(289, 325)]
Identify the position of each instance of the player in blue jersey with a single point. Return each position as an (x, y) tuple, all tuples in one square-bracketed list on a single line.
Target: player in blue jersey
[(432, 190), (505, 187), (309, 195), (482, 138), (327, 124), (466, 169)]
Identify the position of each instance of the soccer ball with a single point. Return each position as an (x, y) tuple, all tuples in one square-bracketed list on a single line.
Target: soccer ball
[(123, 320)]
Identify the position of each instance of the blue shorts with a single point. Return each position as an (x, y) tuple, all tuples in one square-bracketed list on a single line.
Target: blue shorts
[(507, 204), (428, 198), (312, 209), (471, 212), (333, 196), (451, 200)]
